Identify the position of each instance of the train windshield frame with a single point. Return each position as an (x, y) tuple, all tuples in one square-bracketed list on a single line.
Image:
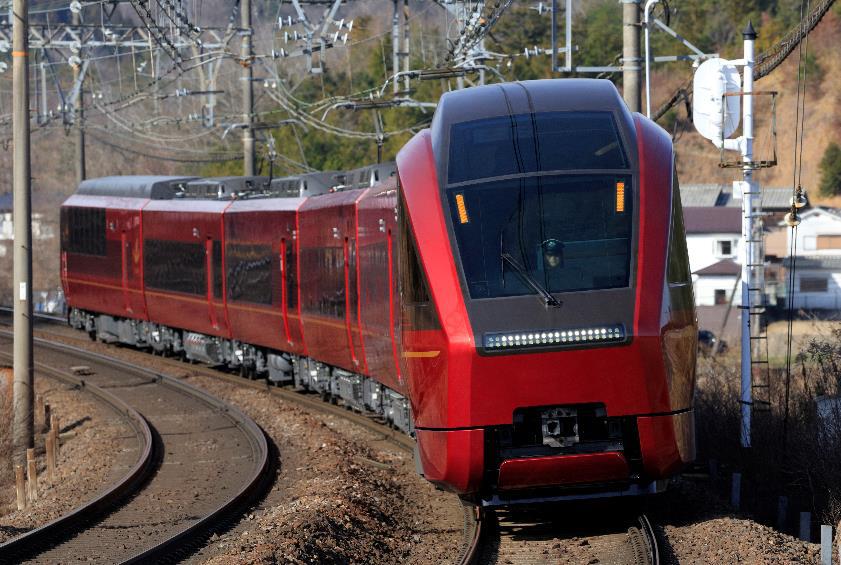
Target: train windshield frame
[(544, 234)]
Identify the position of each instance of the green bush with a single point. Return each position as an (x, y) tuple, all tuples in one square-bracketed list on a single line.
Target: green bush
[(831, 171)]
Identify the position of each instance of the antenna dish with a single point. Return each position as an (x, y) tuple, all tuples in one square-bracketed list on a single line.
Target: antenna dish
[(715, 115)]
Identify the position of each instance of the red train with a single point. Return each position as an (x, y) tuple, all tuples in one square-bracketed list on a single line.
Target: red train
[(517, 295)]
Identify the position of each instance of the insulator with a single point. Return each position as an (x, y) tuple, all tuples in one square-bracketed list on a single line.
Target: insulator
[(799, 200), (792, 219)]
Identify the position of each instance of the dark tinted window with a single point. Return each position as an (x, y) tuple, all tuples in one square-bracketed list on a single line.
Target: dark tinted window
[(528, 143), (175, 266), (83, 230), (416, 306), (291, 275), (323, 290), (217, 269), (250, 269), (567, 233), (679, 271)]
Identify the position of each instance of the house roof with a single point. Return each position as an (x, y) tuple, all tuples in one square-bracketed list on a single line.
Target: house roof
[(6, 202), (828, 262), (708, 195), (724, 268), (713, 219), (835, 212)]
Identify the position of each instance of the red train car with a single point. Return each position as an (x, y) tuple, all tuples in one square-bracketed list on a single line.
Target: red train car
[(549, 334), (518, 296)]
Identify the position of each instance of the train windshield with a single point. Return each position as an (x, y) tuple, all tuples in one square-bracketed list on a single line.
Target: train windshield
[(530, 143), (544, 234)]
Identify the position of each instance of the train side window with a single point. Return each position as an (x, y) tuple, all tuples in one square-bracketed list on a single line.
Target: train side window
[(217, 269), (250, 272), (83, 231), (291, 276), (678, 271), (417, 307), (323, 269), (175, 266)]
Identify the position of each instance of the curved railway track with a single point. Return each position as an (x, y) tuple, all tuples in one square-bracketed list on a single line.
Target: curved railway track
[(207, 459), (493, 536)]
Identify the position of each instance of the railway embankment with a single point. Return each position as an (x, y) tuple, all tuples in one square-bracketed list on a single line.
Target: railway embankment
[(97, 447)]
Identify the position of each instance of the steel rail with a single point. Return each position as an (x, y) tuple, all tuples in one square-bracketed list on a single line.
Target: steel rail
[(473, 521), (43, 536), (255, 483)]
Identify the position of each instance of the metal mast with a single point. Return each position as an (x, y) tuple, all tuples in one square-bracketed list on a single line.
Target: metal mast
[(247, 90), (749, 190), (22, 287), (78, 80)]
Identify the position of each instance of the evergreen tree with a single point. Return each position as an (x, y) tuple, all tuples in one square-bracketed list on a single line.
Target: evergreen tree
[(831, 171)]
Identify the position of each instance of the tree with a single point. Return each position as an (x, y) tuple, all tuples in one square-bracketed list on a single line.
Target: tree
[(831, 171)]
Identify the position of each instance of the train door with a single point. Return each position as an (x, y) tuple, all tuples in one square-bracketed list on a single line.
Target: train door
[(212, 270)]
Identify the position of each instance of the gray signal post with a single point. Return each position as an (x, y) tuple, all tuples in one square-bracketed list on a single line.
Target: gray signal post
[(23, 426), (247, 89), (78, 79)]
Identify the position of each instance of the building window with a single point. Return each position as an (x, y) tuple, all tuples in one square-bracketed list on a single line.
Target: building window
[(813, 284), (724, 248), (720, 296), (829, 242)]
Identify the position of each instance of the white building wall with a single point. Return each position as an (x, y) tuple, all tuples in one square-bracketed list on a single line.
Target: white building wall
[(704, 250), (815, 222), (829, 300), (705, 288)]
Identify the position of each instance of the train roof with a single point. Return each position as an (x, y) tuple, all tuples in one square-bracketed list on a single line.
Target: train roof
[(226, 188), (365, 177), (150, 187), (308, 184)]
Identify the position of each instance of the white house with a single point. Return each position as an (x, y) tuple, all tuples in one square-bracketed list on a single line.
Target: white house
[(713, 239), (7, 231), (817, 260)]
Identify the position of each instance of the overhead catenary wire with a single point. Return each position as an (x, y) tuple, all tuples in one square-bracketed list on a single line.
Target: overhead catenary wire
[(797, 193)]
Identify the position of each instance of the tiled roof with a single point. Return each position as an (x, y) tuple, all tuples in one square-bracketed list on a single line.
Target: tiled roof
[(724, 268), (829, 262), (714, 219), (704, 195)]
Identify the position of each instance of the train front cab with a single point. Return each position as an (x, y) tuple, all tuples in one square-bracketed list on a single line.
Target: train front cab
[(548, 332)]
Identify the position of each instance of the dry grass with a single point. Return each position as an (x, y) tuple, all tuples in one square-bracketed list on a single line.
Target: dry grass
[(5, 426), (794, 452)]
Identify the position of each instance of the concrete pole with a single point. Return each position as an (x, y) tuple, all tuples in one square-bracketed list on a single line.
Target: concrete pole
[(24, 394), (247, 90), (406, 46), (749, 189), (81, 172), (395, 46), (631, 83)]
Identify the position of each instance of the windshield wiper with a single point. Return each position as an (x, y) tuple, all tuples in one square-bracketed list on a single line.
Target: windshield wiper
[(548, 299)]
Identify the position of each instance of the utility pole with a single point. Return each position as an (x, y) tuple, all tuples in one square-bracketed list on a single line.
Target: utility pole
[(395, 46), (631, 83), (22, 218), (81, 173), (247, 89), (750, 189)]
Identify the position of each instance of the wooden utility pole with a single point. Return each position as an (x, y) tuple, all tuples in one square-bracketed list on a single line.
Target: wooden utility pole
[(22, 217), (247, 89), (81, 172)]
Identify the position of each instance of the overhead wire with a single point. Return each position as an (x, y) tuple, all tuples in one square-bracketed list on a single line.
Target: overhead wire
[(797, 193)]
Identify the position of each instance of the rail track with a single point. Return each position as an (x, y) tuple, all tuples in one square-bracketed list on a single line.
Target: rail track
[(490, 536), (566, 535), (206, 460)]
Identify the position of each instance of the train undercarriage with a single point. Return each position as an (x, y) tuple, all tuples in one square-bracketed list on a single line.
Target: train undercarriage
[(356, 391)]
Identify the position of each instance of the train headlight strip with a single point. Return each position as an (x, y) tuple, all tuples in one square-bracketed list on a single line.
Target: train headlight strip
[(567, 336)]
